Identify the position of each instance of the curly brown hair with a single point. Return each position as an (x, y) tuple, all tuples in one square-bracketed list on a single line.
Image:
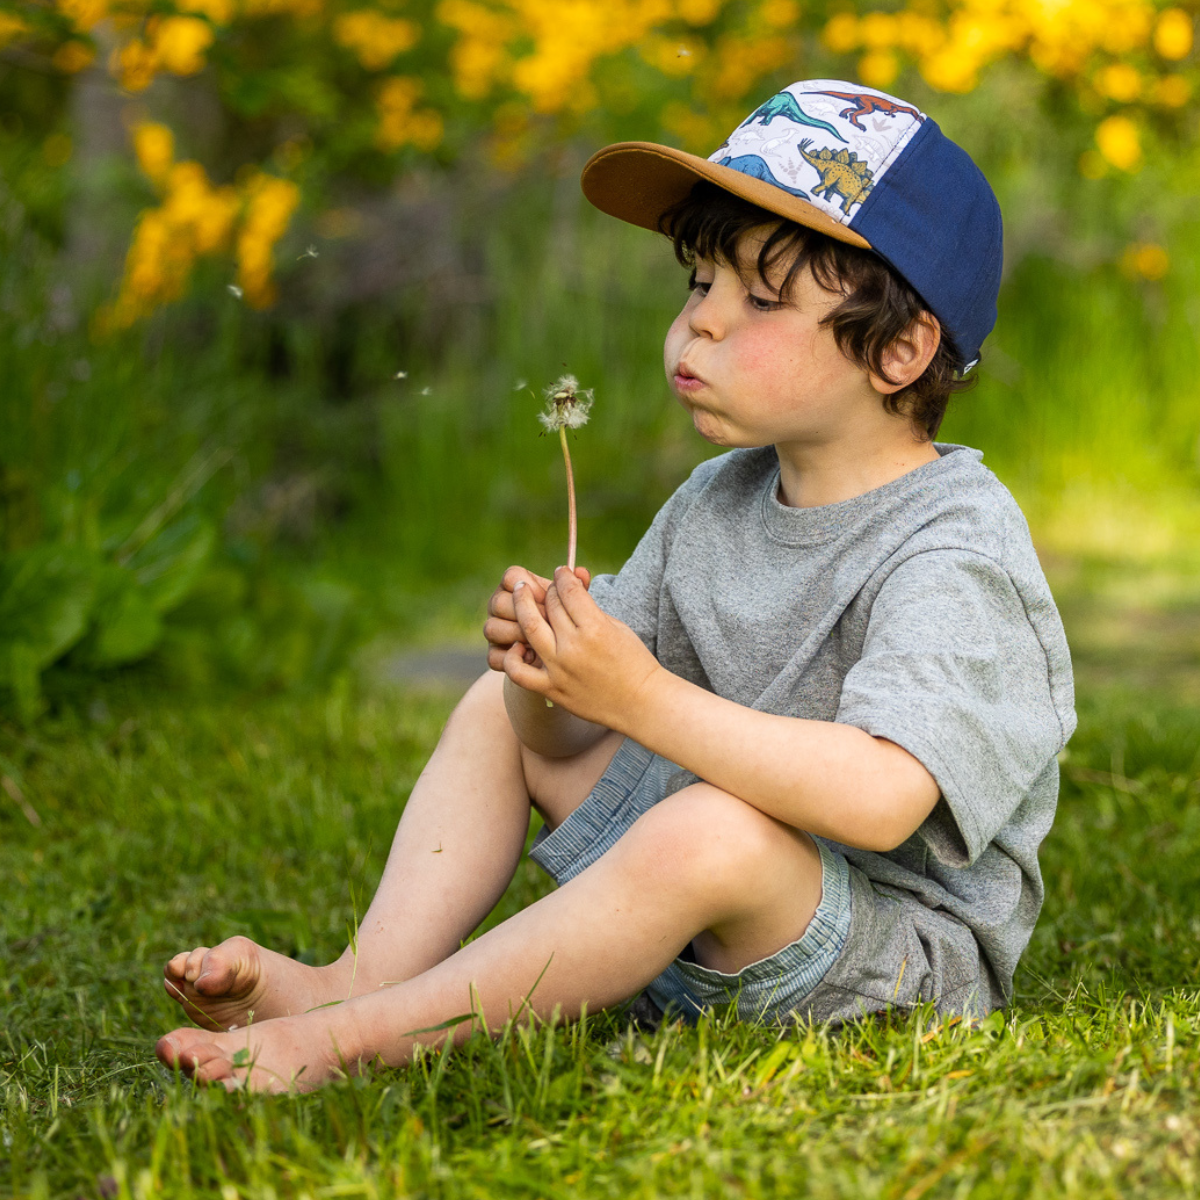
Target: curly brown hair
[(878, 305)]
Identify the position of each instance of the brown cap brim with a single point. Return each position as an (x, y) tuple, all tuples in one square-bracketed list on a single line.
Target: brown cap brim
[(639, 181)]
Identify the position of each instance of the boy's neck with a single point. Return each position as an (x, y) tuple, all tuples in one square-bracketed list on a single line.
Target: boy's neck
[(811, 476)]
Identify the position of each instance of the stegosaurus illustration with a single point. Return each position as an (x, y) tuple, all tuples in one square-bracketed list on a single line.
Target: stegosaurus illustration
[(842, 173)]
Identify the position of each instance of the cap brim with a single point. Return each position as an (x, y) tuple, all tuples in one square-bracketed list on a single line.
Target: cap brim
[(638, 181)]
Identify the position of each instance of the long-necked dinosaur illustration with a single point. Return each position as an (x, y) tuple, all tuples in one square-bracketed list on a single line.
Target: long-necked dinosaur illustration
[(783, 104)]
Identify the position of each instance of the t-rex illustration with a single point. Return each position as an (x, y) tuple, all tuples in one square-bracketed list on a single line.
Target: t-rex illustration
[(842, 173), (783, 104), (862, 105)]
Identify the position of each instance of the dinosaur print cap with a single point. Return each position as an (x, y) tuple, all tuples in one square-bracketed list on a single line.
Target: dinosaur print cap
[(853, 163)]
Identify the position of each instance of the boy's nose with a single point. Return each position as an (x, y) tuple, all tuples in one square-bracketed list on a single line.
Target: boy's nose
[(706, 319)]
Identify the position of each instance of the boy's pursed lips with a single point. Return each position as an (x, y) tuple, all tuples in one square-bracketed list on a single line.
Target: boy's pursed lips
[(686, 380)]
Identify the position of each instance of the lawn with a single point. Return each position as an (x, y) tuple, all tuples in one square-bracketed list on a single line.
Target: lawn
[(137, 820)]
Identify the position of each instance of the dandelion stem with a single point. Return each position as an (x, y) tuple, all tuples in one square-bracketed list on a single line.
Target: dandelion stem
[(572, 525)]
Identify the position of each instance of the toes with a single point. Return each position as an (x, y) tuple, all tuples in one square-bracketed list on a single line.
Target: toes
[(223, 966), (192, 963)]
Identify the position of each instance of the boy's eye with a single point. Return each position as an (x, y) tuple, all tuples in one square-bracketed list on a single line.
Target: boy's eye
[(698, 285), (763, 303)]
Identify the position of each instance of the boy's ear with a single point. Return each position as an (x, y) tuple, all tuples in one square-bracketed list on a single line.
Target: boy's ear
[(905, 359)]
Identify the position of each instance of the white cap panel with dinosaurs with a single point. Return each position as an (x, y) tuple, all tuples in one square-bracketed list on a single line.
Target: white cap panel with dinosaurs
[(823, 143)]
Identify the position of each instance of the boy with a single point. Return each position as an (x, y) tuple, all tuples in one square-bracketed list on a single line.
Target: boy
[(801, 751)]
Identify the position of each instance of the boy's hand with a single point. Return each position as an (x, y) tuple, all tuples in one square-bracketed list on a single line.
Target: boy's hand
[(501, 628), (590, 663)]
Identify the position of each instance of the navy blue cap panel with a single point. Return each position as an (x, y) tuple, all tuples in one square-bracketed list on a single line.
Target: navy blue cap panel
[(935, 219)]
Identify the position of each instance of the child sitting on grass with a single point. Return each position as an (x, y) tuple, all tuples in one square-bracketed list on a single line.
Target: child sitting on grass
[(801, 751)]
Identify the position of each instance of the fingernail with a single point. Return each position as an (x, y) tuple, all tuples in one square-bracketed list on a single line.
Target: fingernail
[(518, 586)]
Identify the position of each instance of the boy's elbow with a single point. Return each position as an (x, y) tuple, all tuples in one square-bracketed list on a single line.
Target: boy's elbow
[(894, 810)]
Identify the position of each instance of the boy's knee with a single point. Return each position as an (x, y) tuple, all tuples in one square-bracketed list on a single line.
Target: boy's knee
[(481, 708), (705, 837)]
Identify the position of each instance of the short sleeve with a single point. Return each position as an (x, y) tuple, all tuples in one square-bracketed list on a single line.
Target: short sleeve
[(953, 671)]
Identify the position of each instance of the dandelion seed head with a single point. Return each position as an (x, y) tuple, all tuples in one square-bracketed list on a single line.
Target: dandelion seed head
[(568, 404)]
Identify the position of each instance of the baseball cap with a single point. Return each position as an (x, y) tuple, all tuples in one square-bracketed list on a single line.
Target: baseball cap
[(855, 164)]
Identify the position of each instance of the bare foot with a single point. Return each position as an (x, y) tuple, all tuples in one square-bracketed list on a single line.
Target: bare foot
[(289, 1054), (230, 985)]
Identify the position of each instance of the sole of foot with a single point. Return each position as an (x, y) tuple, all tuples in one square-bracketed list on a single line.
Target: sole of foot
[(229, 986)]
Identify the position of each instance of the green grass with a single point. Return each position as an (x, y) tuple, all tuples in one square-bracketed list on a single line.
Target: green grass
[(168, 822)]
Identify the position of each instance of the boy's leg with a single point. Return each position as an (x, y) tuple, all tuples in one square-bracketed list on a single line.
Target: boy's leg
[(455, 850), (701, 866)]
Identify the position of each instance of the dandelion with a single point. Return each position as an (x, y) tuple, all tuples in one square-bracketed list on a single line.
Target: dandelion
[(567, 408)]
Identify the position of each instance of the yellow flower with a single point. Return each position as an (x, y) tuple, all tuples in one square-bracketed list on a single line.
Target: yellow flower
[(949, 70), (1145, 259), (1173, 35), (180, 43), (400, 121), (779, 14), (1120, 142), (374, 38), (1119, 81), (841, 33), (878, 68), (270, 203), (135, 65), (877, 30), (154, 146)]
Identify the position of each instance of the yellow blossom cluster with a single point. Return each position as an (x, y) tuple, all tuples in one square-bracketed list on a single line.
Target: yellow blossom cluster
[(375, 39), (1082, 41), (509, 65), (175, 44), (401, 122), (196, 219)]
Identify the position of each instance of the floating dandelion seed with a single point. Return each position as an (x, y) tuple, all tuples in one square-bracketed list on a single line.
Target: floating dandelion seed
[(684, 52), (234, 290), (567, 408), (425, 391), (520, 385), (311, 252), (400, 375)]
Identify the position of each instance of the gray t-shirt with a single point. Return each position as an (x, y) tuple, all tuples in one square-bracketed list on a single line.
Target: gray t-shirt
[(917, 612)]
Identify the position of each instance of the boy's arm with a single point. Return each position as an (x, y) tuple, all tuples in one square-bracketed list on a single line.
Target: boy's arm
[(828, 779), (548, 730)]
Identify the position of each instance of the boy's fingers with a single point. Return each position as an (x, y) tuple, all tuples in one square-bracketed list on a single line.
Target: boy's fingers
[(534, 629), (502, 633), (515, 575), (522, 673), (571, 593)]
